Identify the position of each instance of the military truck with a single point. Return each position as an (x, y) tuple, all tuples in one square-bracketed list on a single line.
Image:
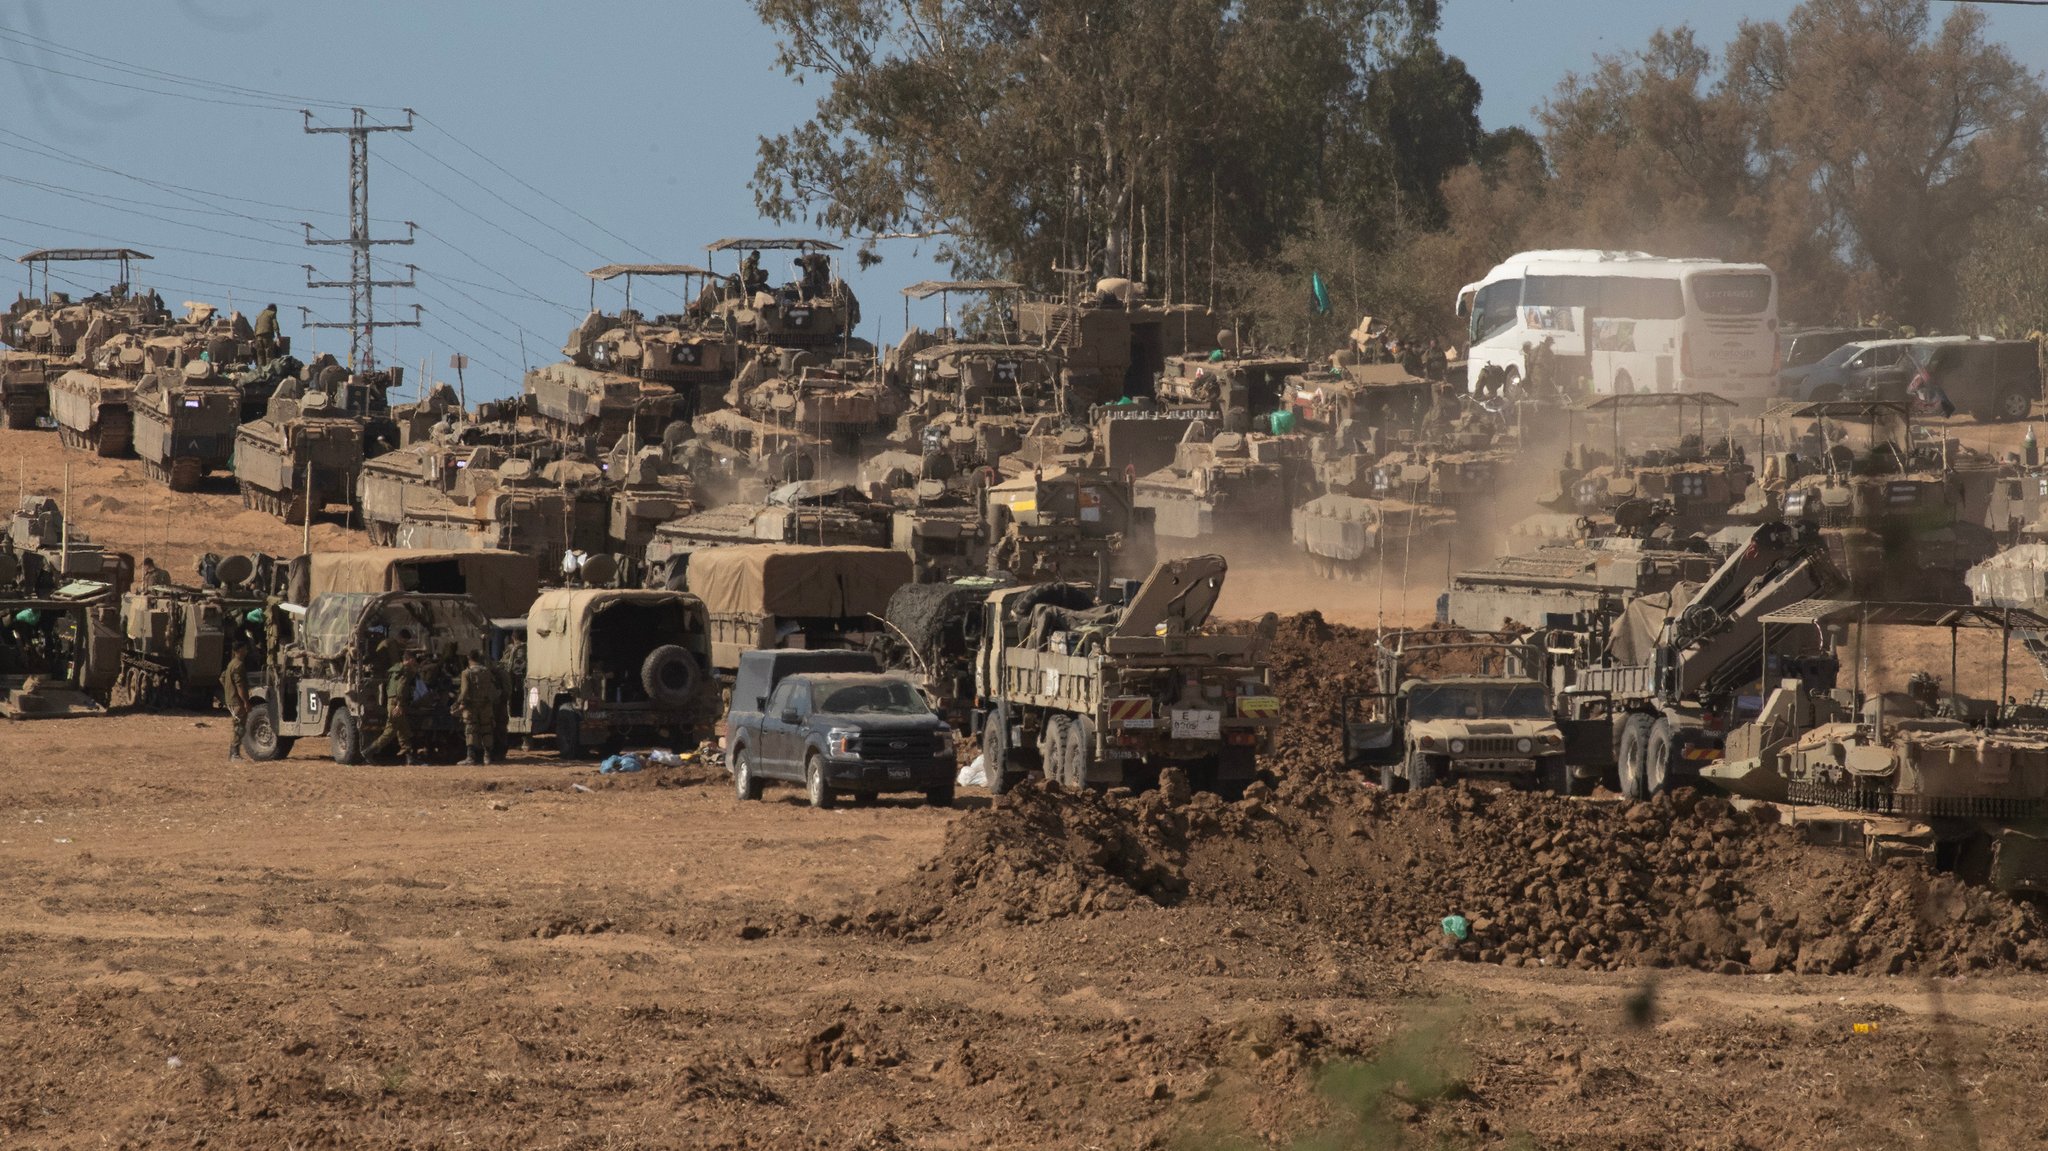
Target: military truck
[(185, 422), (1069, 524), (176, 638), (605, 667), (1109, 691), (301, 457), (777, 595), (330, 681), (1593, 578), (1962, 784), (934, 636), (92, 413), (1458, 705), (503, 584)]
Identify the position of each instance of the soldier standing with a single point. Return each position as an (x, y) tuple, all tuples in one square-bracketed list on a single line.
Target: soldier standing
[(506, 673), (752, 278), (234, 692), (397, 738), (266, 334), (476, 701), (152, 575)]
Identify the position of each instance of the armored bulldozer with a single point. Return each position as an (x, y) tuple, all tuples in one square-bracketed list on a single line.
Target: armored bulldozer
[(176, 638), (330, 680), (302, 456), (185, 422), (1902, 517), (1069, 524), (92, 413), (1108, 691), (1959, 782)]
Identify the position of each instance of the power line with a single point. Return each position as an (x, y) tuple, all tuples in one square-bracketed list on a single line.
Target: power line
[(502, 200), (31, 40), (466, 209), (536, 191)]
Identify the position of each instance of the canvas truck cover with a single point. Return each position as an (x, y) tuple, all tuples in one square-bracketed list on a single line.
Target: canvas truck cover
[(798, 582), (332, 620), (503, 583), (558, 628)]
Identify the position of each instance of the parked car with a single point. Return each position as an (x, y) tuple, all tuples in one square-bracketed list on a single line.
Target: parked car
[(1799, 349), (1989, 379), (862, 733), (1868, 369)]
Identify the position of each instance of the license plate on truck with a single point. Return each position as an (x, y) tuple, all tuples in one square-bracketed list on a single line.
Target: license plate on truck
[(1197, 723)]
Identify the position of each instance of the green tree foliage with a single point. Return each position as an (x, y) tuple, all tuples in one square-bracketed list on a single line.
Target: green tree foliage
[(1157, 136)]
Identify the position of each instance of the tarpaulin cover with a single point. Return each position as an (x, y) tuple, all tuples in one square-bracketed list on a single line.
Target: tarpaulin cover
[(503, 583), (797, 582)]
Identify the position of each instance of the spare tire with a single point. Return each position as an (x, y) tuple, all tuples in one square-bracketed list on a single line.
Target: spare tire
[(671, 676)]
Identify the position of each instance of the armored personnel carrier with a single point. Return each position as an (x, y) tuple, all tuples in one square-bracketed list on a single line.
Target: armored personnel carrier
[(841, 405), (814, 309), (1902, 516), (54, 333), (820, 513), (1234, 484), (512, 507), (176, 638), (1591, 579), (422, 475), (597, 408), (302, 456), (92, 413), (185, 421), (1069, 524), (651, 492)]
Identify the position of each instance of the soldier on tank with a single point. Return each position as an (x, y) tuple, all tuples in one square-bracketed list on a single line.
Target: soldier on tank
[(152, 575), (752, 278), (476, 702), (234, 693), (266, 334)]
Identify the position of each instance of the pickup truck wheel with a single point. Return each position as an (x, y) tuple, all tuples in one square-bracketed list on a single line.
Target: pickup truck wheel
[(345, 738), (1421, 772), (745, 783), (568, 734), (940, 796), (815, 787), (260, 741)]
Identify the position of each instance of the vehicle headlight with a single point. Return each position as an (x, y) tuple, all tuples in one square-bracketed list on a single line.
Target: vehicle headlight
[(1457, 747), (1553, 739), (844, 742), (1525, 745)]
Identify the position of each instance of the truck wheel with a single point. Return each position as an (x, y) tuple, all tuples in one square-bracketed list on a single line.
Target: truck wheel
[(995, 757), (940, 796), (260, 740), (1661, 745), (671, 676), (1061, 748), (568, 734), (744, 782), (1421, 772), (1557, 776), (2012, 404), (1629, 755), (815, 787), (345, 739)]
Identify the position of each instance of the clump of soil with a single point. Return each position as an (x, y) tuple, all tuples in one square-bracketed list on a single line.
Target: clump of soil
[(1688, 880)]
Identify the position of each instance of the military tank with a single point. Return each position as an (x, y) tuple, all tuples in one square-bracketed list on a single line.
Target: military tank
[(302, 456)]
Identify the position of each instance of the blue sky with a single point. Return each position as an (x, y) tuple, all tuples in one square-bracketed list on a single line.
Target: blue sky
[(631, 126)]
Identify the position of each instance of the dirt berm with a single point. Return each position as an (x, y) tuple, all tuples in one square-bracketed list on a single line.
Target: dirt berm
[(1685, 881)]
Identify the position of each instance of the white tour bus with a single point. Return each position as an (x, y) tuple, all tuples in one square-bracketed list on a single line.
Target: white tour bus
[(1629, 322)]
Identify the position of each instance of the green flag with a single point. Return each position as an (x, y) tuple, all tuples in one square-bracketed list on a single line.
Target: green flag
[(1318, 296)]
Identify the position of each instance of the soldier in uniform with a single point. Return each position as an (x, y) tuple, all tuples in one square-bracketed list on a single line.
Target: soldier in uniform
[(152, 575), (476, 702), (234, 693), (266, 334), (397, 738), (506, 673), (752, 278)]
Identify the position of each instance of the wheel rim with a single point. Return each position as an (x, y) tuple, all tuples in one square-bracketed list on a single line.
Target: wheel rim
[(2016, 405), (742, 775)]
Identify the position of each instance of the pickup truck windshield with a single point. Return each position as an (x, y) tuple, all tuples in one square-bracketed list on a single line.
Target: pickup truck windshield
[(888, 698), (1478, 701)]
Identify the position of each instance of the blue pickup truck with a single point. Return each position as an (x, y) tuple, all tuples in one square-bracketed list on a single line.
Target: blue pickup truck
[(834, 722)]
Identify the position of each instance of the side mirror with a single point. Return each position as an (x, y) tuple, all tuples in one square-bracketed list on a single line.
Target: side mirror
[(790, 716)]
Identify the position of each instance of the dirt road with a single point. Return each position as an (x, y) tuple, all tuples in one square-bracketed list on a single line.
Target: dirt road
[(199, 953)]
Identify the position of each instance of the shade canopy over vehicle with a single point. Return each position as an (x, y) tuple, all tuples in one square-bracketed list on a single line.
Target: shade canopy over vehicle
[(798, 582)]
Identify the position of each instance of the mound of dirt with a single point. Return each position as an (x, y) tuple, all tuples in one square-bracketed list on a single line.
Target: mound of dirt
[(1686, 881)]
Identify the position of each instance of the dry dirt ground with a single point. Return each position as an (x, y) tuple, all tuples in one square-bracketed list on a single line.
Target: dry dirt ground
[(198, 953), (195, 953)]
